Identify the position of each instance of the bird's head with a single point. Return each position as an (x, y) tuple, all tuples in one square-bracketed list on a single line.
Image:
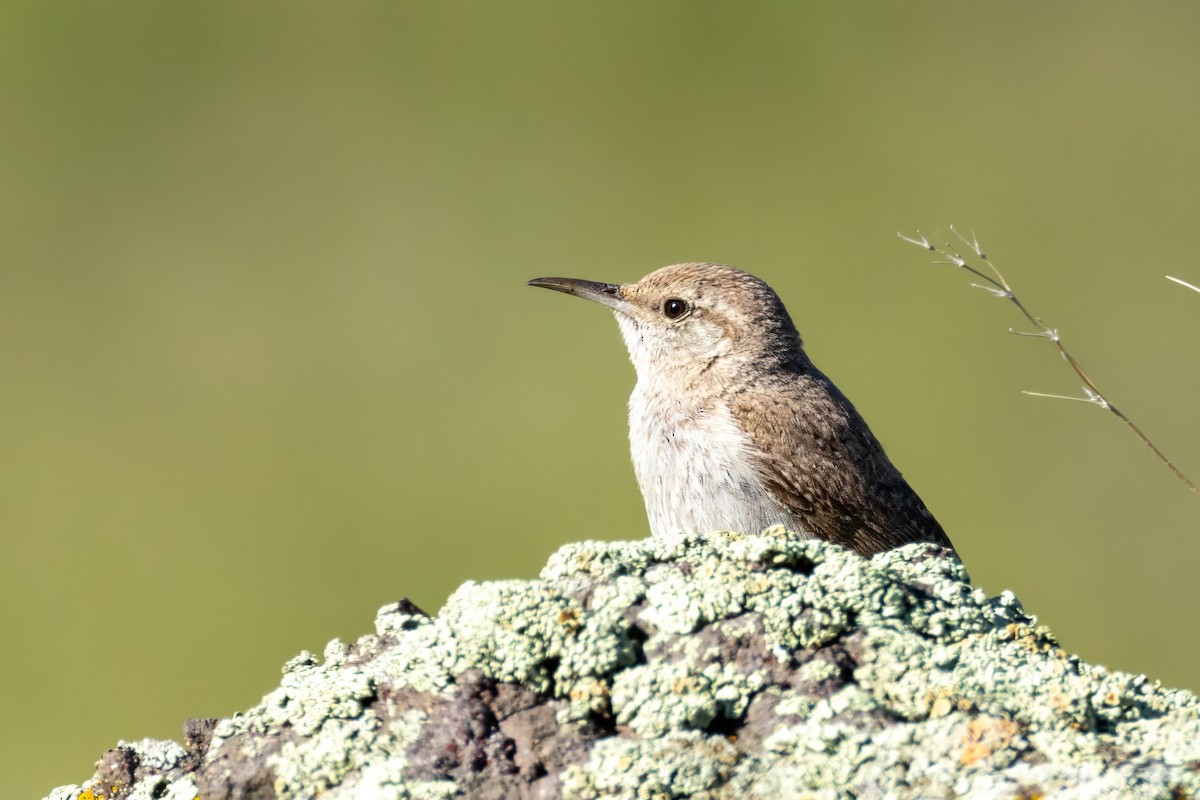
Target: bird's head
[(691, 318)]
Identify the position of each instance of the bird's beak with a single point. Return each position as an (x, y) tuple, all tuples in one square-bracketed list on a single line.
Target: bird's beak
[(607, 293)]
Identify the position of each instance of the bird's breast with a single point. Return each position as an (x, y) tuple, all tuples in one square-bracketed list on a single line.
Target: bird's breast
[(697, 467)]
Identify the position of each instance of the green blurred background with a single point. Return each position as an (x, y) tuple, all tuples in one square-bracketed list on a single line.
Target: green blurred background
[(269, 361)]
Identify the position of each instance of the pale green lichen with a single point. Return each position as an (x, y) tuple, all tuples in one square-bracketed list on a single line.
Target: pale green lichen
[(182, 789), (727, 666), (324, 764), (677, 764)]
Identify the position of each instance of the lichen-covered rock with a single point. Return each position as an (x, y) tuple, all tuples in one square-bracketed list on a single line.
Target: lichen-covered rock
[(706, 666)]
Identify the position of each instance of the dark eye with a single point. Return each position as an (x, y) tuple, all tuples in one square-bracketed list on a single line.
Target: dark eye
[(675, 308)]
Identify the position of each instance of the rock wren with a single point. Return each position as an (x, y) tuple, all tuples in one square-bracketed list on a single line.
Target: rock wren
[(732, 427)]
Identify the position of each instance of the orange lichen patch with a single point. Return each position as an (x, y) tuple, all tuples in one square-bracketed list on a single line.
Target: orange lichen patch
[(88, 794), (688, 685), (1035, 639), (588, 691), (569, 619), (984, 736)]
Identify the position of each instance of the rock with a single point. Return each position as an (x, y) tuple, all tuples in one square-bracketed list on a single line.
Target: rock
[(707, 666)]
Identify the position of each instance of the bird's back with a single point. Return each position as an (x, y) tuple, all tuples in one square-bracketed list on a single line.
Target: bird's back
[(825, 469)]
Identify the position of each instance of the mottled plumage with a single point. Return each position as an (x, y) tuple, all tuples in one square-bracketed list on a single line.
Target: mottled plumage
[(733, 428)]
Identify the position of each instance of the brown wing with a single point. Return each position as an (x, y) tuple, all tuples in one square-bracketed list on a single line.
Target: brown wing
[(823, 464)]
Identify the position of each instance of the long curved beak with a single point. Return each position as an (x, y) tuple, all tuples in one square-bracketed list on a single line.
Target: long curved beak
[(607, 293)]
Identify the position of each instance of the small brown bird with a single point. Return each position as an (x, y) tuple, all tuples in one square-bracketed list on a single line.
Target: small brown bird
[(731, 426)]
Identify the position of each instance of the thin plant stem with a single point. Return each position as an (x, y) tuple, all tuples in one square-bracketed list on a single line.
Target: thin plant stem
[(995, 283), (1184, 283)]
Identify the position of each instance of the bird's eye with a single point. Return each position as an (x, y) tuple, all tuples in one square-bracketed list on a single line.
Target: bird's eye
[(675, 308)]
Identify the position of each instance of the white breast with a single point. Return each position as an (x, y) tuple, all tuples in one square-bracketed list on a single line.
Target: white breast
[(695, 468)]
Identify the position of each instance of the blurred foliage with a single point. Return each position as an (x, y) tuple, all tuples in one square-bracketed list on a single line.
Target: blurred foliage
[(269, 361)]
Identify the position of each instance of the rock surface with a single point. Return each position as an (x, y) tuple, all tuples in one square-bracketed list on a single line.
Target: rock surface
[(707, 666)]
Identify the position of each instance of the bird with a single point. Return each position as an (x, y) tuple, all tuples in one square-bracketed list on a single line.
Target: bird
[(732, 427)]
